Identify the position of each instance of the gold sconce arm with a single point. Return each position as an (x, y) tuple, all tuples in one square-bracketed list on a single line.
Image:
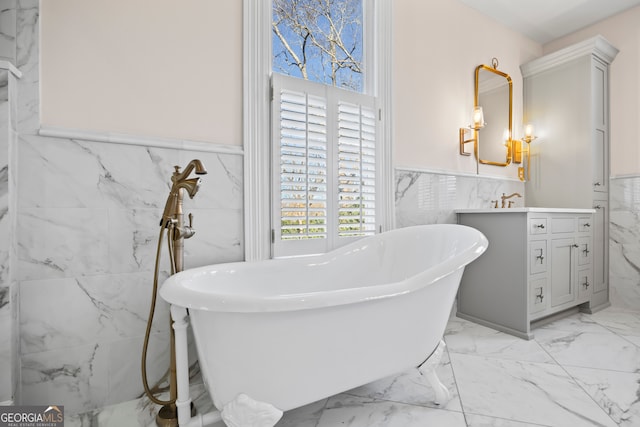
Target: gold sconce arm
[(522, 148), (516, 149), (463, 132), (478, 123)]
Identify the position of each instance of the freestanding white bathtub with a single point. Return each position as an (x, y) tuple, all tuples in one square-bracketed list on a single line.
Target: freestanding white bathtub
[(278, 334)]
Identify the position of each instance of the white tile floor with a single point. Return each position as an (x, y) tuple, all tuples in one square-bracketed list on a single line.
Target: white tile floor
[(583, 370)]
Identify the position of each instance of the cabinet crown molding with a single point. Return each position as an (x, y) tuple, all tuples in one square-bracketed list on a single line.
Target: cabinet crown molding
[(597, 46)]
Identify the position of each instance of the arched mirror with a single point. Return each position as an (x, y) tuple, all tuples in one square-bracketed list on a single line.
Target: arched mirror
[(494, 93)]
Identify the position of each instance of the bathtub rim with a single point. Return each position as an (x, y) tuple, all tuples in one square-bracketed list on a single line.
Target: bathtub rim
[(175, 293)]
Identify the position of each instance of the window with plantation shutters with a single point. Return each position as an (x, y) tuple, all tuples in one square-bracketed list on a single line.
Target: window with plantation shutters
[(356, 169), (324, 166), (303, 165)]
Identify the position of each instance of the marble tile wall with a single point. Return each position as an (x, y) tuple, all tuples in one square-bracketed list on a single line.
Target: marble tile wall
[(6, 322), (8, 30), (424, 197), (624, 242), (87, 238), (8, 283)]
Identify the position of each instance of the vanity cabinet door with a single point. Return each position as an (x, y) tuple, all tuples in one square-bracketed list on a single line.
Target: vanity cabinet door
[(562, 271), (600, 155)]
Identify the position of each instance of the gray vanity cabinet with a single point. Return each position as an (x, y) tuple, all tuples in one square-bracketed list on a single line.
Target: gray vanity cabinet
[(538, 265), (566, 97)]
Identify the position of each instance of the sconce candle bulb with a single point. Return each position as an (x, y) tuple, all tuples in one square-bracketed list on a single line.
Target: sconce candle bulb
[(528, 131), (478, 118)]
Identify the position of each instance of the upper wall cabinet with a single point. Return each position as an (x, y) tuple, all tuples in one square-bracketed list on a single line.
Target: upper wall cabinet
[(566, 97)]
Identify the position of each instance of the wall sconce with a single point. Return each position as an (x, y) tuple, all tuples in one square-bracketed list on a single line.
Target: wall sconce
[(518, 148), (478, 123)]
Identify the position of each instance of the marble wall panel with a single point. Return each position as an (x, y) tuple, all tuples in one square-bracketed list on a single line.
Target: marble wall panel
[(28, 62), (74, 377), (12, 221), (87, 258), (624, 242), (432, 198), (7, 348), (111, 307), (8, 30)]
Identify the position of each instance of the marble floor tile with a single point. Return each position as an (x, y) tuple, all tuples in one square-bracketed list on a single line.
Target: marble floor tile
[(620, 321), (484, 421), (578, 322), (413, 388), (632, 338), (306, 416), (467, 337), (590, 350), (617, 393), (352, 411), (133, 413), (535, 393)]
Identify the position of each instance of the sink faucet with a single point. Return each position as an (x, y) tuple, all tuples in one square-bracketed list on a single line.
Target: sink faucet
[(504, 198)]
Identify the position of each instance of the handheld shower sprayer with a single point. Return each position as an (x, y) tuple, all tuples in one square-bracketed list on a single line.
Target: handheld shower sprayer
[(172, 221)]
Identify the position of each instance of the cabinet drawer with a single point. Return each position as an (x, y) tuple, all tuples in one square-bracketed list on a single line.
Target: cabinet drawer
[(584, 225), (584, 250), (537, 295), (538, 256), (537, 225), (585, 284), (563, 225)]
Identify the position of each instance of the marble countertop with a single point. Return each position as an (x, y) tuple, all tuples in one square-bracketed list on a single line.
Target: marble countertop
[(524, 210)]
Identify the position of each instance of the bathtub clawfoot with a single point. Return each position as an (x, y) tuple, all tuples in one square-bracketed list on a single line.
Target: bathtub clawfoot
[(428, 369), (243, 411)]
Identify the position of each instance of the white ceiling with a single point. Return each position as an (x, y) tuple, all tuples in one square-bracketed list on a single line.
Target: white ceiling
[(547, 20)]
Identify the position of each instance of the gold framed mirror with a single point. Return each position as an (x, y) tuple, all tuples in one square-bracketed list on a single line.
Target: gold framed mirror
[(494, 92)]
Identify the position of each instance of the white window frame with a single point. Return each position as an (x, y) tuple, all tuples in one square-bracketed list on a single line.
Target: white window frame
[(257, 55)]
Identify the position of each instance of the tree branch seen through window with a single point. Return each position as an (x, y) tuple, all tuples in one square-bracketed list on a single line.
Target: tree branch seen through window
[(319, 40)]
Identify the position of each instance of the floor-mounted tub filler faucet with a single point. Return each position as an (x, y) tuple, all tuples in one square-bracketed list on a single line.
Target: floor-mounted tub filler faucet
[(173, 223)]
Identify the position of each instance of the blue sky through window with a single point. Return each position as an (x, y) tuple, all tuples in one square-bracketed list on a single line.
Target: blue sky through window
[(321, 39)]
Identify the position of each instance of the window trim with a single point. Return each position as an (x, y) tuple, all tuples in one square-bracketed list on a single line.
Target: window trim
[(256, 121)]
